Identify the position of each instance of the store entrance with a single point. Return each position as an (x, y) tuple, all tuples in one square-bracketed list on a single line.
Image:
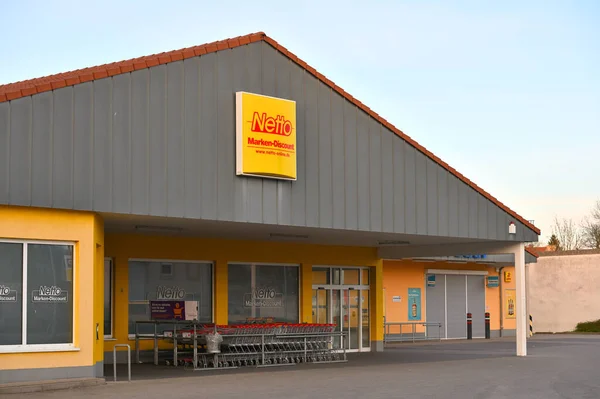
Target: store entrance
[(345, 306)]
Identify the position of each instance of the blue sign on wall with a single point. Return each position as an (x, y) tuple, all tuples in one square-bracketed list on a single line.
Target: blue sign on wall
[(472, 256), (431, 280), (414, 304), (493, 281)]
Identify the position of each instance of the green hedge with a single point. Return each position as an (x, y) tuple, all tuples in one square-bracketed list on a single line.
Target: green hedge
[(588, 326)]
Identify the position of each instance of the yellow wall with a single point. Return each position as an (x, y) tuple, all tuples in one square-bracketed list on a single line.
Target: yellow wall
[(84, 230), (398, 276), (509, 324), (121, 248)]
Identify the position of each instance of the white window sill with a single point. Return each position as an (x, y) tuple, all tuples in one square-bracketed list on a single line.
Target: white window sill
[(109, 339), (38, 348)]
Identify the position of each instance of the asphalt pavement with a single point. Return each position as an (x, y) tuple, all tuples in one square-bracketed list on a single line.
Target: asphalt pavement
[(558, 366)]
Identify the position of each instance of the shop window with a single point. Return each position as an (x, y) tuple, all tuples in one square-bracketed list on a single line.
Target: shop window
[(156, 280), (11, 293), (351, 276), (42, 275), (365, 277), (263, 292), (320, 275), (108, 298)]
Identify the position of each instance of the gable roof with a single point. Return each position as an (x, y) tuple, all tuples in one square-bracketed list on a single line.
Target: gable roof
[(30, 87)]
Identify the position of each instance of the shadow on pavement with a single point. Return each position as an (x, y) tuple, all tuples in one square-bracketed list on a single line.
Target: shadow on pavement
[(402, 353)]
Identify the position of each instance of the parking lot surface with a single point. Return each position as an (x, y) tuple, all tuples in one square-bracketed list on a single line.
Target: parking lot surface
[(558, 366)]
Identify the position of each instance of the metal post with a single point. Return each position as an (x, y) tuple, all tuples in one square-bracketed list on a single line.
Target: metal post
[(137, 344), (155, 344), (469, 326), (487, 325), (530, 325), (195, 345), (128, 361), (440, 331), (414, 331), (304, 349), (262, 342), (175, 344)]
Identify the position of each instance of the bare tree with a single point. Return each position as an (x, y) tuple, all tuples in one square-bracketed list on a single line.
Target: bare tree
[(591, 228), (567, 233)]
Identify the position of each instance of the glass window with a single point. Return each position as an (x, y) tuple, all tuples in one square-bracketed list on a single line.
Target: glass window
[(156, 280), (263, 291), (108, 297), (320, 275), (365, 277), (351, 276), (11, 293), (240, 284), (50, 294)]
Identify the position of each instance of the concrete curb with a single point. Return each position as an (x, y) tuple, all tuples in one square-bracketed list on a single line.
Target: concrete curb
[(52, 385)]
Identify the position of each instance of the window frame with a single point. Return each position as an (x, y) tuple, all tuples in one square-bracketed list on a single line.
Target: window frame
[(271, 264), (24, 347), (111, 264), (131, 337)]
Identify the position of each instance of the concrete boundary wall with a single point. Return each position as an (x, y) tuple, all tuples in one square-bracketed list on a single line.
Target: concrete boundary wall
[(563, 290)]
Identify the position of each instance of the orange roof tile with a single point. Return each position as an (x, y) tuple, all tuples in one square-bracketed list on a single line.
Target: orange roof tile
[(532, 251), (25, 88)]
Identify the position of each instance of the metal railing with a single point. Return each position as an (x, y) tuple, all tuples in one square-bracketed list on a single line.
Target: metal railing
[(407, 332), (128, 360)]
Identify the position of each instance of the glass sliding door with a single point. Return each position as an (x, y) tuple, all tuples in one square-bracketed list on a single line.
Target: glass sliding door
[(336, 311), (321, 309), (352, 320), (341, 297), (366, 319)]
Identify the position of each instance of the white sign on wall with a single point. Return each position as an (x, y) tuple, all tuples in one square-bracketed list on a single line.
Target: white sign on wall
[(47, 294), (263, 298), (396, 298), (7, 295)]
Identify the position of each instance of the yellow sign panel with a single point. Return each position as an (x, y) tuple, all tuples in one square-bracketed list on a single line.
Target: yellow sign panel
[(510, 306), (265, 136), (507, 277)]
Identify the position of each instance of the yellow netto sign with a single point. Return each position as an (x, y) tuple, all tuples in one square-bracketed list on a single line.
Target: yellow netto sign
[(265, 136)]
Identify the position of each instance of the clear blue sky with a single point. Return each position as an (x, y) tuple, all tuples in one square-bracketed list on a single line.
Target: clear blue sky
[(507, 92)]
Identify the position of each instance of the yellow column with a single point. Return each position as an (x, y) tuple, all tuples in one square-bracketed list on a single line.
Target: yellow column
[(376, 289), (121, 298), (98, 295), (221, 292), (306, 294)]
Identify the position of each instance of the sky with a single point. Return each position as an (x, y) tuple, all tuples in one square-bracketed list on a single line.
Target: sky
[(508, 92)]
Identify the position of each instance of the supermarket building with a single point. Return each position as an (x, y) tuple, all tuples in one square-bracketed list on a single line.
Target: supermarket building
[(215, 173)]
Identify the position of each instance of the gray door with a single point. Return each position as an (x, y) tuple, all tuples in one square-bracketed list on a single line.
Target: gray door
[(436, 306), (456, 303), (476, 304)]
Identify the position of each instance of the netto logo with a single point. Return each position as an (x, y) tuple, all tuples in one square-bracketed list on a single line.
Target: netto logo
[(7, 295), (50, 291), (261, 123), (174, 292), (264, 293), (4, 290)]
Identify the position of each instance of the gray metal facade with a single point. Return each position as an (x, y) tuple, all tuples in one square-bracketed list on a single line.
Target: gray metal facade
[(161, 142)]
